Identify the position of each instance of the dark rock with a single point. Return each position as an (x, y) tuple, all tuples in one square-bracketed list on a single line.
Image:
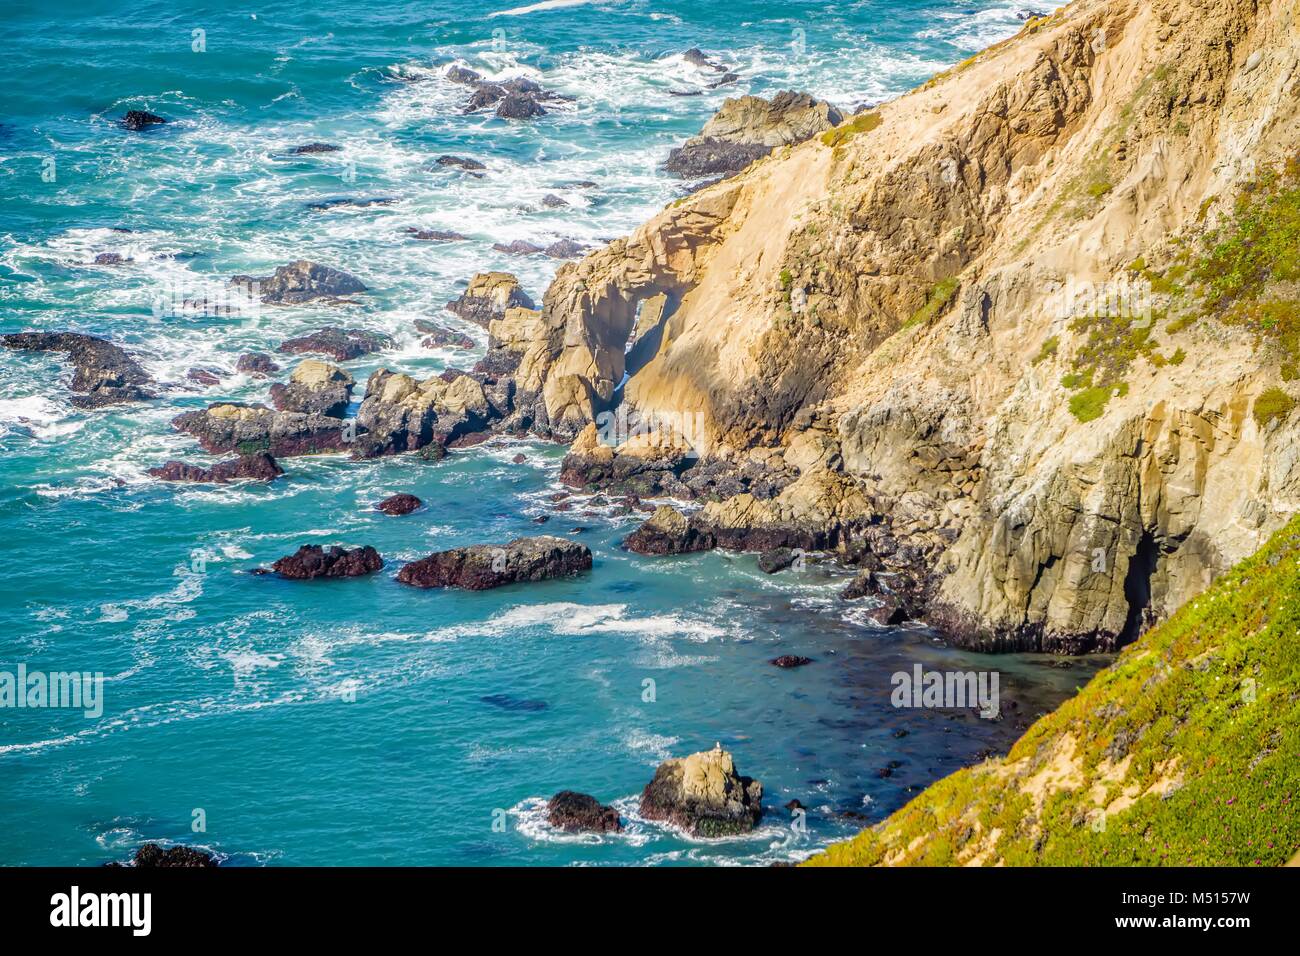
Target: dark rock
[(726, 80), (110, 259), (697, 57), (313, 561), (519, 247), (790, 660), (778, 559), (258, 466), (463, 75), (794, 805), (483, 566), (340, 344), (447, 339), (315, 388), (541, 519), (565, 249), (399, 504), (136, 120), (520, 106), (307, 149), (899, 596), (668, 531), (460, 162), (103, 373), (246, 429), (435, 235), (302, 281), (703, 795), (203, 376), (151, 856), (713, 157), (488, 297), (256, 363), (579, 813), (552, 201), (519, 459)]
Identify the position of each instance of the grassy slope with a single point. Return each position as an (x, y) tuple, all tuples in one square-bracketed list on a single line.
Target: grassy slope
[(1193, 763)]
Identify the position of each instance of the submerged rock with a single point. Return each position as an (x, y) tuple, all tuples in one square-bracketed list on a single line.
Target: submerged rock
[(204, 376), (399, 504), (103, 373), (460, 162), (703, 795), (307, 149), (488, 296), (302, 281), (136, 120), (790, 660), (340, 344), (439, 337), (256, 363), (258, 466), (518, 247), (483, 566), (435, 235), (313, 561), (579, 813), (358, 202)]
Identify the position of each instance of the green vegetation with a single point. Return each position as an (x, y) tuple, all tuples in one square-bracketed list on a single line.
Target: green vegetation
[(1272, 403), (862, 123), (935, 300), (1184, 752), (1048, 350)]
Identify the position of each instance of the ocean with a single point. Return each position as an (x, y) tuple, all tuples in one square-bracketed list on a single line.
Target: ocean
[(360, 721)]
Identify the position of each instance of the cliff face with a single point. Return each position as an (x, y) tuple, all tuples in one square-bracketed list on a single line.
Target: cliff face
[(994, 307), (1181, 753)]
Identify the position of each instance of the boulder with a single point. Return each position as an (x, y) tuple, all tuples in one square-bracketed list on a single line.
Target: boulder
[(517, 247), (313, 561), (520, 106), (668, 531), (698, 58), (483, 566), (747, 128), (103, 373), (463, 75), (565, 249), (778, 559), (399, 504), (302, 281), (402, 414), (712, 157), (136, 120), (203, 376), (435, 235), (340, 344), (488, 297), (703, 795), (247, 429), (790, 660), (258, 466), (355, 202), (552, 201), (256, 363), (438, 337), (314, 388), (307, 149), (459, 162), (579, 813)]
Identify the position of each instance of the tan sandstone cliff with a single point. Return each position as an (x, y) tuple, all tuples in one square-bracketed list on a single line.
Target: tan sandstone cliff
[(894, 309)]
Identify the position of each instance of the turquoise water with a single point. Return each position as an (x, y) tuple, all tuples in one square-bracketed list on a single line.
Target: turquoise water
[(361, 721)]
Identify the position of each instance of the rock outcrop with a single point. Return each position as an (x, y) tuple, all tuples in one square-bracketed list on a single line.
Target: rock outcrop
[(248, 429), (153, 856), (579, 813), (301, 281), (258, 466), (905, 312), (340, 344), (312, 561), (484, 566), (137, 120), (747, 128), (314, 388), (399, 504), (703, 795), (103, 373), (488, 297)]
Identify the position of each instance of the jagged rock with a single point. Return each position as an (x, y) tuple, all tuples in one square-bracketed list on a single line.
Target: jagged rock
[(520, 106), (565, 249), (647, 464), (301, 281), (402, 414), (111, 259), (790, 660), (517, 247), (697, 57), (315, 388), (340, 344), (136, 120), (668, 531), (713, 157), (247, 429), (256, 363), (488, 297), (747, 128), (460, 162), (312, 561), (435, 235), (552, 201), (704, 795), (151, 856), (898, 596), (778, 559), (399, 504), (258, 466), (578, 813), (463, 75), (307, 149), (203, 376), (103, 373), (438, 336), (483, 566)]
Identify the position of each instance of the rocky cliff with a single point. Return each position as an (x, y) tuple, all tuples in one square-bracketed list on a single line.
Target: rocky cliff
[(1035, 317)]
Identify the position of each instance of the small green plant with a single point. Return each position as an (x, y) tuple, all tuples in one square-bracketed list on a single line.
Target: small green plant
[(862, 123), (1048, 350), (938, 297), (1272, 403)]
